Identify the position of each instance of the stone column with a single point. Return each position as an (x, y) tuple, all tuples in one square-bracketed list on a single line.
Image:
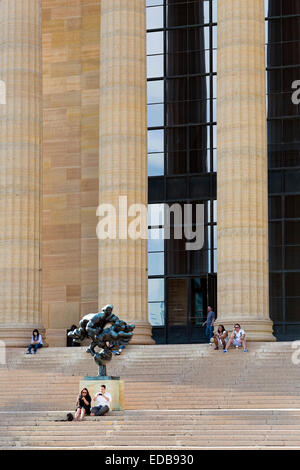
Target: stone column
[(123, 276), (20, 155), (243, 288)]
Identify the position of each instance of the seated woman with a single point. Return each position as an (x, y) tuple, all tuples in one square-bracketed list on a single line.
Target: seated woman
[(83, 405), (36, 342), (220, 337)]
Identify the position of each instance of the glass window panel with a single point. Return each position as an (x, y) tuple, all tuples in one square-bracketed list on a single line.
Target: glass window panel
[(276, 309), (275, 211), (293, 309), (177, 113), (198, 161), (292, 259), (275, 258), (198, 39), (215, 210), (198, 12), (177, 163), (215, 37), (214, 116), (150, 3), (215, 236), (215, 136), (274, 30), (155, 66), (177, 40), (275, 233), (176, 14), (176, 139), (276, 285), (290, 7), (199, 112), (215, 60), (292, 233), (177, 295), (215, 86), (199, 261), (199, 137), (292, 207), (156, 141), (291, 29), (199, 88), (199, 62), (156, 265), (177, 63), (214, 11), (209, 237), (155, 17), (155, 43), (156, 239), (155, 115), (209, 212), (215, 160), (156, 313), (155, 91), (156, 290), (177, 89), (155, 164), (177, 262), (292, 283), (215, 253), (291, 53)]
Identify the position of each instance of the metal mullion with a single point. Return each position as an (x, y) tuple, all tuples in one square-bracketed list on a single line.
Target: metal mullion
[(283, 262)]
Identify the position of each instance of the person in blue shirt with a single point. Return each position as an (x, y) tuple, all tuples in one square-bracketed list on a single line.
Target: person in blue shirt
[(210, 321)]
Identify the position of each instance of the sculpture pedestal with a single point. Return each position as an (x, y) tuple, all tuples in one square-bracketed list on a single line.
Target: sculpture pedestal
[(114, 386)]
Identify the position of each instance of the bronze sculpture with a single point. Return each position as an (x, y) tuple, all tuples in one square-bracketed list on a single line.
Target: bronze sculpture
[(107, 339)]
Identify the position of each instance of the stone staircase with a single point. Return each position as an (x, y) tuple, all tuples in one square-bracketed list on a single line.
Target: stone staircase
[(176, 396), (163, 429)]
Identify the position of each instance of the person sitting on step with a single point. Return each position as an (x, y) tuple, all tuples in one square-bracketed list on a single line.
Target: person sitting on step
[(221, 337), (36, 342), (83, 405), (237, 338), (103, 399)]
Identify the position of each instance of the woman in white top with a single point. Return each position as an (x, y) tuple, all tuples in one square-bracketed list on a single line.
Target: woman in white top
[(36, 342), (220, 337)]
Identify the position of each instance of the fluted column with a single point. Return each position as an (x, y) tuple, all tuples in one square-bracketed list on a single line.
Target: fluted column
[(20, 153), (243, 290), (123, 158)]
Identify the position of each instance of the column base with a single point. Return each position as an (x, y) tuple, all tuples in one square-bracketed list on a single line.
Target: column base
[(57, 338), (256, 330), (142, 333), (19, 335)]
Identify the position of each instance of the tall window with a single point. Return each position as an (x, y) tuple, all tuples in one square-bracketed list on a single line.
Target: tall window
[(283, 69)]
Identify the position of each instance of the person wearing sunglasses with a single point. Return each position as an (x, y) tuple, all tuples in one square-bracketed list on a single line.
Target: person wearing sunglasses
[(83, 405), (237, 338)]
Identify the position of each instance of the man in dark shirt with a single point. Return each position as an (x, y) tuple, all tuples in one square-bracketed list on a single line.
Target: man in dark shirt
[(210, 321)]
